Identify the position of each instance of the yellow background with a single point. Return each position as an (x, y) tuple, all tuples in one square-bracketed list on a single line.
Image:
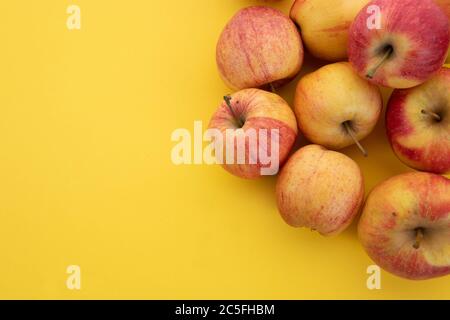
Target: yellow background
[(86, 176)]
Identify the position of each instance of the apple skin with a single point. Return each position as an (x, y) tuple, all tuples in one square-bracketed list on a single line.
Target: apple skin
[(419, 140), (258, 109), (320, 189), (258, 47), (324, 27), (417, 31), (445, 6), (393, 212), (332, 95)]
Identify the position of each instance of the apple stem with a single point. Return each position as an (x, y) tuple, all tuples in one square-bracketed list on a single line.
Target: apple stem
[(272, 88), (387, 54), (353, 136), (419, 237), (431, 114), (228, 103)]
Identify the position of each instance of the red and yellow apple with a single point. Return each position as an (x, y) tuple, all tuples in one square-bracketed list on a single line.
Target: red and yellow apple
[(320, 189), (405, 225), (260, 112), (335, 107), (324, 26), (409, 47), (418, 124), (260, 47)]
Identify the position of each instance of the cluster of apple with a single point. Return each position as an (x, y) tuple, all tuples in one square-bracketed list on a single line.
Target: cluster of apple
[(401, 44)]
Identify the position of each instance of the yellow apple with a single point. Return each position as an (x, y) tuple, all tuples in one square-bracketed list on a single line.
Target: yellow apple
[(324, 25), (335, 107)]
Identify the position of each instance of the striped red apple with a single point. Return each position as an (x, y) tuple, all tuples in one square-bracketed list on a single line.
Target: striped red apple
[(407, 47), (246, 115), (259, 48), (320, 189)]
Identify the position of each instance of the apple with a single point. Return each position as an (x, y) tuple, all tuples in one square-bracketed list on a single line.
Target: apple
[(335, 107), (259, 48), (247, 115), (418, 124), (405, 225), (410, 46), (320, 189), (324, 26)]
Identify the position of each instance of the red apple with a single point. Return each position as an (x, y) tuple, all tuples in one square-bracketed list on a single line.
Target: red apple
[(405, 225), (410, 46), (320, 189), (243, 119), (260, 47), (418, 124)]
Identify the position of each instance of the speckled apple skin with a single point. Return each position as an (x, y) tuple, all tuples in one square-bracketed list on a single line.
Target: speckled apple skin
[(324, 27), (320, 189), (445, 6), (259, 46), (417, 139), (332, 95), (393, 210), (258, 109), (419, 32)]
